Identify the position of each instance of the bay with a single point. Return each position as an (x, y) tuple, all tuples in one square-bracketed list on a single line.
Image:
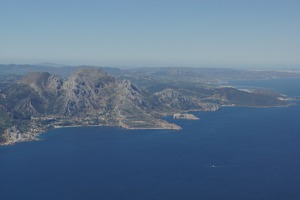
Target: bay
[(234, 153)]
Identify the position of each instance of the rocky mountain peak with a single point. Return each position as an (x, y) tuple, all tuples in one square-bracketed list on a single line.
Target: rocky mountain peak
[(92, 78)]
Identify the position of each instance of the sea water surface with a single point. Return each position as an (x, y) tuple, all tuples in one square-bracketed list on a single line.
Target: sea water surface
[(234, 153)]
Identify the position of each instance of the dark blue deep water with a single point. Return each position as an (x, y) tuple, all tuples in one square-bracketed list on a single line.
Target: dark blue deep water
[(255, 153)]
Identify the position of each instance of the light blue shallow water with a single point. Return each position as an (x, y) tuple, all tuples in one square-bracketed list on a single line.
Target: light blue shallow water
[(255, 153)]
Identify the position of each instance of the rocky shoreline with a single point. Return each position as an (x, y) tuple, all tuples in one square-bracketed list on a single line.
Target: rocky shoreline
[(13, 135)]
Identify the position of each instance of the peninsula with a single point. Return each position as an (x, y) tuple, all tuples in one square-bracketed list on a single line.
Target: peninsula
[(39, 101)]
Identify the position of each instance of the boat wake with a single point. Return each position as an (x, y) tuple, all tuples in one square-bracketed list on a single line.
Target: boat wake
[(215, 166)]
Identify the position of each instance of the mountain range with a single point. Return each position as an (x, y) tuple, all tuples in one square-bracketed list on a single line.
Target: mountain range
[(89, 96)]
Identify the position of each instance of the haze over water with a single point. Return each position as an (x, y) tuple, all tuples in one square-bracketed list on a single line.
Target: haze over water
[(234, 153)]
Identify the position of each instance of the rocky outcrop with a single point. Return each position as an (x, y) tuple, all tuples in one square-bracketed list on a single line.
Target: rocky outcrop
[(13, 134), (185, 116)]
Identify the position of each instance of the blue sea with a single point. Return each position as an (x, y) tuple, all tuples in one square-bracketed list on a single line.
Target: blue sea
[(234, 153)]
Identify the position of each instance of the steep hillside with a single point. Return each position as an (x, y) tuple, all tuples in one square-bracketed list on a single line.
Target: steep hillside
[(88, 97)]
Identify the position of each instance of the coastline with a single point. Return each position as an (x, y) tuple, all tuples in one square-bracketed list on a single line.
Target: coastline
[(35, 136), (172, 126)]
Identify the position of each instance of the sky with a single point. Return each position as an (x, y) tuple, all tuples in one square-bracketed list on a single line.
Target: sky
[(220, 33)]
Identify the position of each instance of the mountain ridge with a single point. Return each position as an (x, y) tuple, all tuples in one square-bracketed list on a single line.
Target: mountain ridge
[(88, 97)]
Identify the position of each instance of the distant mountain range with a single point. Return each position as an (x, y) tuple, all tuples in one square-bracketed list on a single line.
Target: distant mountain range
[(89, 96), (200, 74)]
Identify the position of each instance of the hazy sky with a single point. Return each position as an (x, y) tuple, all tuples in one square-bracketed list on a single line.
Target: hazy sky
[(151, 33)]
